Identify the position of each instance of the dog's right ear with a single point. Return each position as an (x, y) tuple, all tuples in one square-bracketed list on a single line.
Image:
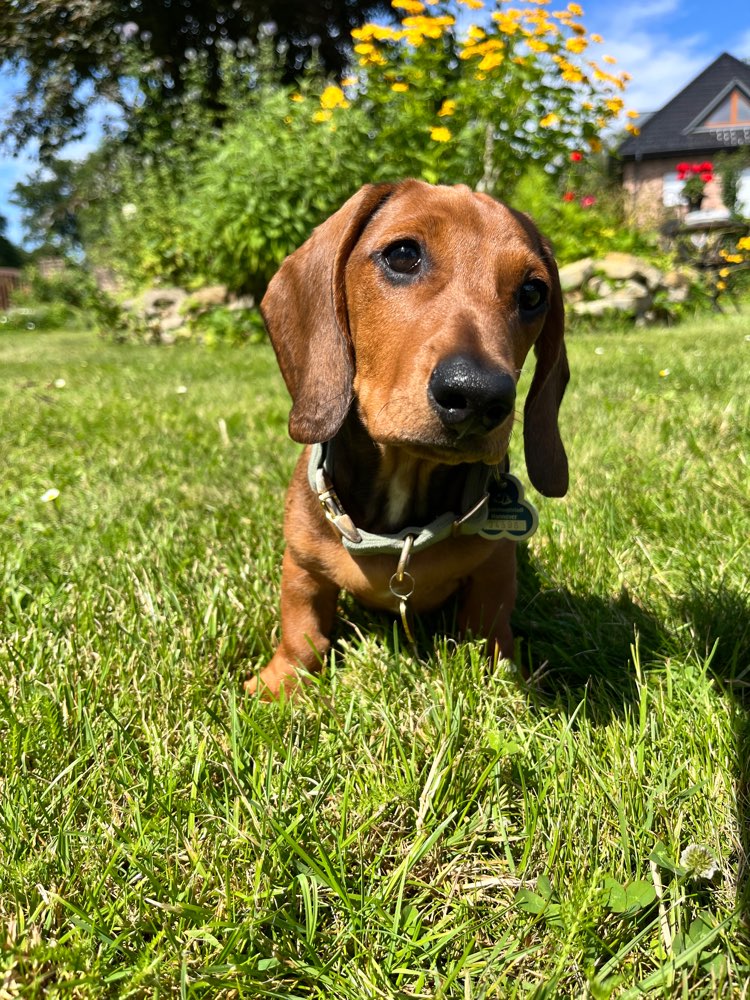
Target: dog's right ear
[(306, 317)]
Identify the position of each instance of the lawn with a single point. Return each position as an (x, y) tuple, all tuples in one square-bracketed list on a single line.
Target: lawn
[(414, 826)]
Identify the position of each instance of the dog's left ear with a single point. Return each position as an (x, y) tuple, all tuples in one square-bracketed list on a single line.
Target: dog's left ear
[(546, 461), (306, 316)]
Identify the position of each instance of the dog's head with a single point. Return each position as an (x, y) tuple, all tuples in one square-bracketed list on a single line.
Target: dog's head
[(419, 304)]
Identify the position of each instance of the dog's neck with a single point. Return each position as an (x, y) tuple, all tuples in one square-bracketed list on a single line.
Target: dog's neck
[(384, 488)]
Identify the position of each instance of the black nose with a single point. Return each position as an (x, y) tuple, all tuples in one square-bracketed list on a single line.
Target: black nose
[(469, 397)]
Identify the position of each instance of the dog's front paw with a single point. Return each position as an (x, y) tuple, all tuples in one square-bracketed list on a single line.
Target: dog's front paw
[(279, 675)]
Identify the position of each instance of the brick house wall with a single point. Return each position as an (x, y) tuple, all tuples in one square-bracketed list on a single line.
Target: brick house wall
[(643, 186)]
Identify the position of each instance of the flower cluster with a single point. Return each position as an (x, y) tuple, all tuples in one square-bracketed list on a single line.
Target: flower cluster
[(524, 71), (695, 177), (735, 260), (585, 201)]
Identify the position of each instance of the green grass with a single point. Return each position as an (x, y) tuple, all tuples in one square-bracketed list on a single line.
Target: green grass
[(414, 826)]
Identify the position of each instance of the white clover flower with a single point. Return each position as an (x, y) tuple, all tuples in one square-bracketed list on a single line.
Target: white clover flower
[(49, 495), (699, 861), (129, 210)]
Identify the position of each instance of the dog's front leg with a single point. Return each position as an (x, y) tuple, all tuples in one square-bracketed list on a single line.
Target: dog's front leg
[(489, 599), (308, 607)]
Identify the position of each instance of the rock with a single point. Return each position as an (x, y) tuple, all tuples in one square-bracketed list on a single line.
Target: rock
[(626, 266), (207, 297), (171, 321), (573, 276), (241, 302), (624, 300), (155, 300)]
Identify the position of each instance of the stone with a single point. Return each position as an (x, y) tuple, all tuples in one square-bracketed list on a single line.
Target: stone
[(155, 300), (207, 297), (241, 302), (625, 266), (574, 276)]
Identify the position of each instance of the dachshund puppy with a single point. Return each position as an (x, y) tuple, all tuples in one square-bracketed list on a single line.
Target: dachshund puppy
[(401, 327)]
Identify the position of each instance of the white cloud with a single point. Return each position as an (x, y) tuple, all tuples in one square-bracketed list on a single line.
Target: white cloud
[(648, 41)]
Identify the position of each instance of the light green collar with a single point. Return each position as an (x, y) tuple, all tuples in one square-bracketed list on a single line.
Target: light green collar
[(474, 503)]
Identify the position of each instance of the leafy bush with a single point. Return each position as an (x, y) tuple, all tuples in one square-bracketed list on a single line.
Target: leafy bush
[(272, 179), (69, 297), (578, 227), (433, 98)]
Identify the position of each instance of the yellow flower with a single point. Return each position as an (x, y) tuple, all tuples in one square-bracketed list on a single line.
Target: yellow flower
[(632, 129), (536, 46), (596, 38), (400, 88), (633, 114), (507, 21), (297, 98), (333, 97), (576, 45), (447, 108), (491, 61), (322, 116), (733, 258), (595, 145), (664, 372), (744, 243), (410, 6), (609, 59), (575, 10), (615, 105), (725, 272), (573, 75), (721, 286), (438, 133), (475, 33), (549, 120), (472, 4), (349, 81)]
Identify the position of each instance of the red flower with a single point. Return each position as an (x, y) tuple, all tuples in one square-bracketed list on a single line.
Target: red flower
[(588, 201), (682, 168), (576, 157), (569, 196), (706, 177), (696, 168), (707, 167)]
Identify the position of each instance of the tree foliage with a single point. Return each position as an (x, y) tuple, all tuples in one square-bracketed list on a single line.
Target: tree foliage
[(10, 255), (153, 53)]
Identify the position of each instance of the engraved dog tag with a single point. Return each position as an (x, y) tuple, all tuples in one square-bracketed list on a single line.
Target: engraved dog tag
[(509, 515)]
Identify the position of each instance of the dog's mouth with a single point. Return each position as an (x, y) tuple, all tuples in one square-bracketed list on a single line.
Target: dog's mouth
[(454, 447)]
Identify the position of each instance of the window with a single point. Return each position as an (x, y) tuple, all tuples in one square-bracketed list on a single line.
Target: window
[(743, 192), (671, 190), (733, 111)]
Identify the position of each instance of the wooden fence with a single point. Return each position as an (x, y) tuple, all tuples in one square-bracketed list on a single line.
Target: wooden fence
[(10, 278)]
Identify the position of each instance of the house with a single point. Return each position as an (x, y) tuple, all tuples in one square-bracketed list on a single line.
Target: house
[(709, 116)]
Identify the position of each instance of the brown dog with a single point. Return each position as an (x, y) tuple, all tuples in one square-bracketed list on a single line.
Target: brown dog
[(401, 328)]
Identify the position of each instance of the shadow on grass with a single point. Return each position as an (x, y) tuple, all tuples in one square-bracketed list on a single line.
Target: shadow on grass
[(583, 641)]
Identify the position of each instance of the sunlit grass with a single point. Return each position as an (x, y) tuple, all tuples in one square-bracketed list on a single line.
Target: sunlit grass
[(414, 827)]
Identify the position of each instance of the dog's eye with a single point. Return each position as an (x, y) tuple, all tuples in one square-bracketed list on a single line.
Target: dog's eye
[(532, 296), (403, 256)]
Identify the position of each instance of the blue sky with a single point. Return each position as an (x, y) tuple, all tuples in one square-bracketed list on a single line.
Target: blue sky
[(663, 44)]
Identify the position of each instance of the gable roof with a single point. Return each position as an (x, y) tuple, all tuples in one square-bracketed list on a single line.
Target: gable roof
[(676, 128)]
